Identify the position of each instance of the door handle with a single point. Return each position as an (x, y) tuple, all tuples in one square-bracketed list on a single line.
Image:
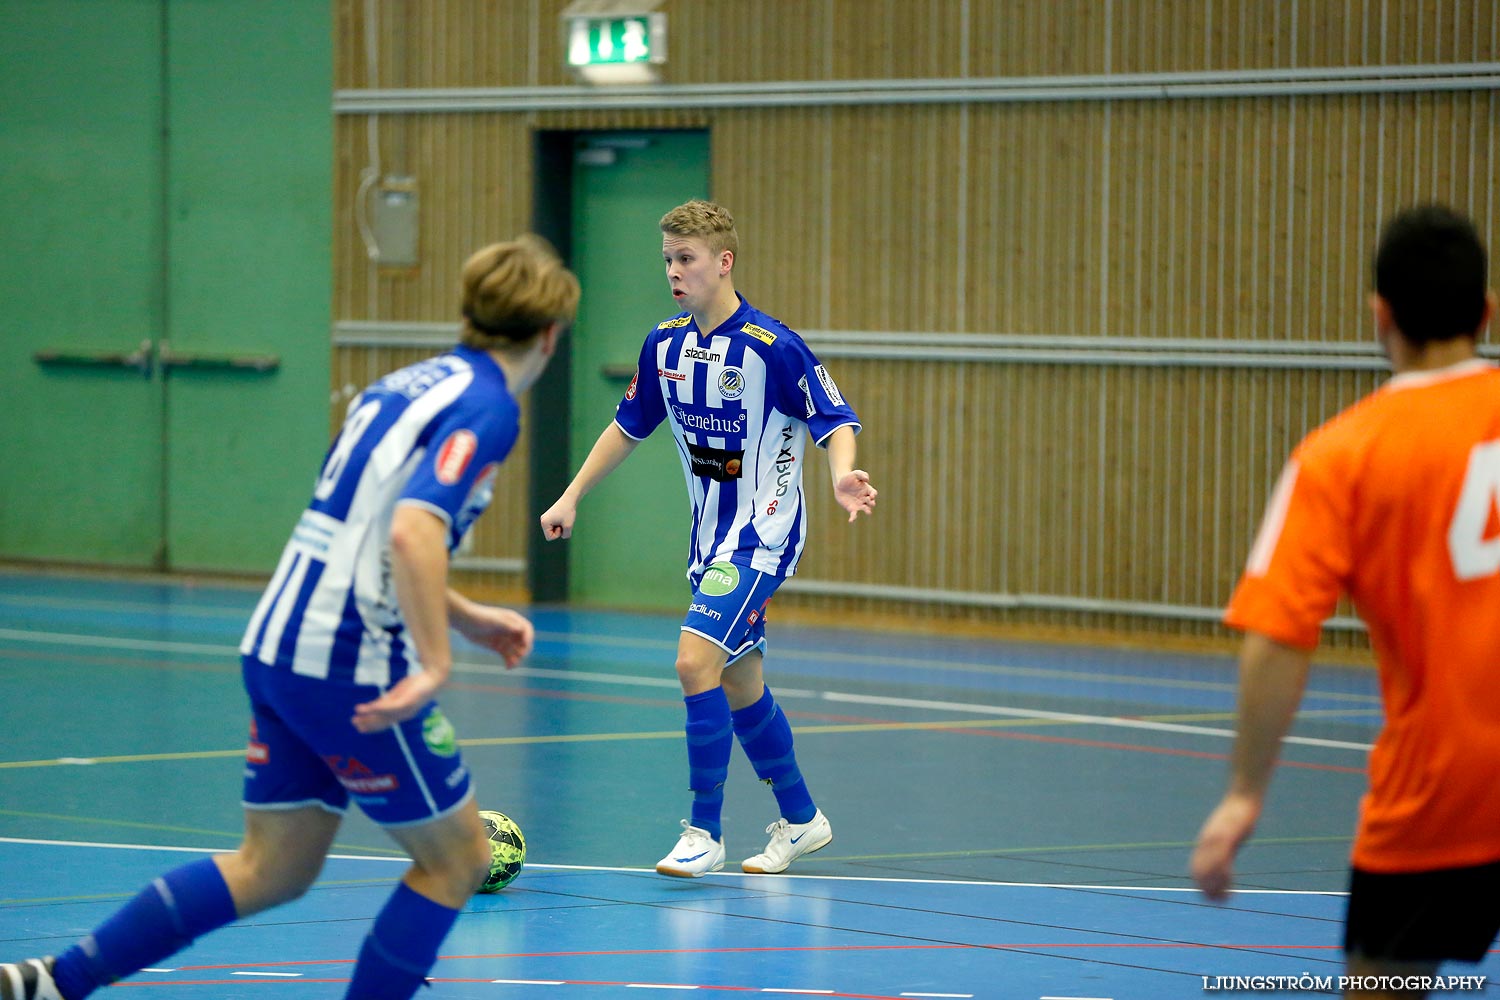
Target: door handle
[(139, 359), (200, 361), (617, 373)]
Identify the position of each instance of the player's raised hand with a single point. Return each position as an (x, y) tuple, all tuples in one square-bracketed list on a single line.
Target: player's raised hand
[(557, 521), (855, 494), (506, 632)]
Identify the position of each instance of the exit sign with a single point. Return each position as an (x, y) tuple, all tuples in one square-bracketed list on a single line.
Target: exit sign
[(617, 40)]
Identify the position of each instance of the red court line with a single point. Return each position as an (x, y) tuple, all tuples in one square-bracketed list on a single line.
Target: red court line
[(628, 952), (1141, 748), (445, 979)]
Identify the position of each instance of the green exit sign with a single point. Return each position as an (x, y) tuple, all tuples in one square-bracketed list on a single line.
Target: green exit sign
[(617, 40)]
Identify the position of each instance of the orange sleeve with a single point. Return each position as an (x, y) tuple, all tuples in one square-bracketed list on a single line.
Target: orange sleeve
[(1301, 557)]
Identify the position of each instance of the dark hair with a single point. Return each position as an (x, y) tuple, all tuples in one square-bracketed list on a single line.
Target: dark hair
[(1430, 269)]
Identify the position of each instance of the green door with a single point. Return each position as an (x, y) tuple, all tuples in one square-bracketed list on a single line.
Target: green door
[(249, 275), (166, 308), (80, 292), (630, 546)]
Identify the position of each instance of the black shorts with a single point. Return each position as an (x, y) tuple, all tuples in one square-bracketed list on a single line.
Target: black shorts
[(1431, 916)]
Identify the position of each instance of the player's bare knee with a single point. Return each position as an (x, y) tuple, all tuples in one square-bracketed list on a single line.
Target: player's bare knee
[(697, 674)]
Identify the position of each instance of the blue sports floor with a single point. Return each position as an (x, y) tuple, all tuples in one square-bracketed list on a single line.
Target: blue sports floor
[(1010, 819)]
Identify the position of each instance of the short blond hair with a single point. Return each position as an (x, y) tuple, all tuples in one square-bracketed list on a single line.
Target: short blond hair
[(513, 291), (706, 219)]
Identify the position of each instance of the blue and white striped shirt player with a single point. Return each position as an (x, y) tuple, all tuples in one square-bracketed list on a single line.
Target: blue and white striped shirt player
[(432, 434), (740, 401)]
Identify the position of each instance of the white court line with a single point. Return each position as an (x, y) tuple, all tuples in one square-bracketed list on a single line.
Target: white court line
[(1098, 720), (783, 877), (657, 986), (1110, 721), (279, 975)]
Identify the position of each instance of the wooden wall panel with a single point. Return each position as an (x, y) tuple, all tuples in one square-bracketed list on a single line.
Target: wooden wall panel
[(1237, 218), (519, 43)]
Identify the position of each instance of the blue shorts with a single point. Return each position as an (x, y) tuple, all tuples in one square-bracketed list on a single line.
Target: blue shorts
[(729, 607), (304, 751)]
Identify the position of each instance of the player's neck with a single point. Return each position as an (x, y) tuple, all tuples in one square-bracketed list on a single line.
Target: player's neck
[(722, 307), (1408, 357)]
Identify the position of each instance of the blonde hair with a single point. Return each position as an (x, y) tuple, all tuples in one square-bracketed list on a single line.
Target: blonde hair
[(513, 291), (706, 219)]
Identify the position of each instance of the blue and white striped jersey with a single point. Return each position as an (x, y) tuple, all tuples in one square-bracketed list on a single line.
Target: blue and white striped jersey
[(741, 400), (432, 434)]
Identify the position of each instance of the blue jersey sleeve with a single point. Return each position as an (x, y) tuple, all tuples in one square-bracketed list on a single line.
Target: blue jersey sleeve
[(803, 388), (455, 477), (642, 408)]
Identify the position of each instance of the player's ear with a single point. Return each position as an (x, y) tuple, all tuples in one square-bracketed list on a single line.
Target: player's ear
[(1491, 304), (1380, 309), (550, 336), (726, 262)]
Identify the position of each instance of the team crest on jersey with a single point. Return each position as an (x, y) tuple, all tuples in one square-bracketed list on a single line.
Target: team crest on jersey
[(731, 383), (760, 333), (634, 381), (454, 456), (672, 324)]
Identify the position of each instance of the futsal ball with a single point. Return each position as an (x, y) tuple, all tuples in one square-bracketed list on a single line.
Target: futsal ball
[(507, 849)]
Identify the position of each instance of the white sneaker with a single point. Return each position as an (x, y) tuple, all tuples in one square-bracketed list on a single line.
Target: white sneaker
[(697, 853), (28, 980), (789, 841)]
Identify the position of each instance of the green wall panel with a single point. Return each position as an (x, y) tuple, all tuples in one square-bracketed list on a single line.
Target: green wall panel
[(168, 166)]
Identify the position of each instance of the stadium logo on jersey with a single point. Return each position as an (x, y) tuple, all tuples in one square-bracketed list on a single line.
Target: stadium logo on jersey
[(699, 354), (630, 391), (731, 383), (438, 734), (807, 394), (828, 386), (672, 324), (708, 423), (719, 579), (704, 609), (714, 463), (453, 457), (760, 333), (670, 374)]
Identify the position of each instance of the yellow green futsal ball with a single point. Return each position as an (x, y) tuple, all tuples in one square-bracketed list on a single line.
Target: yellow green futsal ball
[(507, 849)]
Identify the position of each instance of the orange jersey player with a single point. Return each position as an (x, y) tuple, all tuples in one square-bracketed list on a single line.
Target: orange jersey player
[(1396, 502)]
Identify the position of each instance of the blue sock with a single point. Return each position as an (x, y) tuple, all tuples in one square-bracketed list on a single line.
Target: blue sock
[(766, 735), (161, 920), (709, 744), (402, 947)]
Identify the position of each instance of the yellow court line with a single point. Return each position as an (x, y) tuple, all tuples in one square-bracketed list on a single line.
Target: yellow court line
[(670, 734), (495, 741), (134, 758)]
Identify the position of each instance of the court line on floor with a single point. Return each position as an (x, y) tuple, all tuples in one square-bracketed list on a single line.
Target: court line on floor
[(711, 877), (464, 666), (666, 647)]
